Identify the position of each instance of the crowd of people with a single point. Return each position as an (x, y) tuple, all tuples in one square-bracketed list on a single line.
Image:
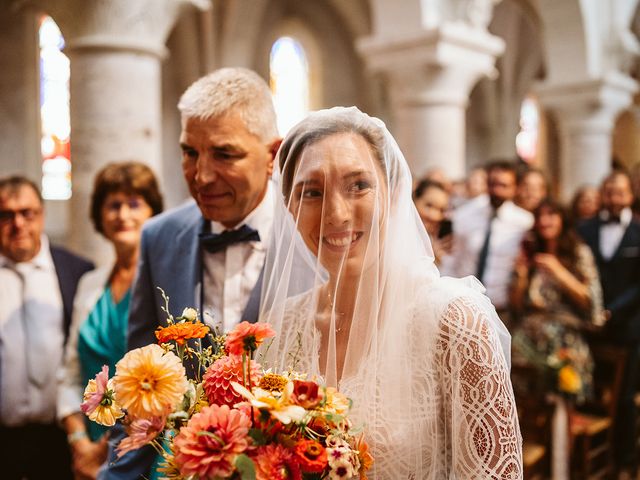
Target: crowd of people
[(319, 234), (560, 276)]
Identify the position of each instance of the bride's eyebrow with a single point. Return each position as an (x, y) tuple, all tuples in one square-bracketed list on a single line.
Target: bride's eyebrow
[(307, 182), (357, 173)]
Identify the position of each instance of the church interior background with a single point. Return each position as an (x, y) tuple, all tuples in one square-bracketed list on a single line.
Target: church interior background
[(459, 82)]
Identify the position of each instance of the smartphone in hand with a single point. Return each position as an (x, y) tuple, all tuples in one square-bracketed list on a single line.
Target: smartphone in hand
[(446, 228)]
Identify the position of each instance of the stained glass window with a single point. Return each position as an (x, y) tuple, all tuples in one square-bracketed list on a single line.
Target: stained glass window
[(54, 113), (527, 138), (289, 78)]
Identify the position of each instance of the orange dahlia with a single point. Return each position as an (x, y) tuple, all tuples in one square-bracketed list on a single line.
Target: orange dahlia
[(311, 456), (218, 377), (246, 337), (208, 445), (149, 381), (276, 462), (181, 332)]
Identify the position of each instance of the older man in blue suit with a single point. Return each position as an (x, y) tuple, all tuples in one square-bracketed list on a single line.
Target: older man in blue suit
[(209, 253)]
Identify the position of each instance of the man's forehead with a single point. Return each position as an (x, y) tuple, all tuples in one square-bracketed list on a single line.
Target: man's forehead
[(23, 195)]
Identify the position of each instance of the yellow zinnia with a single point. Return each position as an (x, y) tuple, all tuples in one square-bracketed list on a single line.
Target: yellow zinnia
[(149, 381)]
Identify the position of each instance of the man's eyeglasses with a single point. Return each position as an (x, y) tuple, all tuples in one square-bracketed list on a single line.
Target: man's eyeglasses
[(28, 214)]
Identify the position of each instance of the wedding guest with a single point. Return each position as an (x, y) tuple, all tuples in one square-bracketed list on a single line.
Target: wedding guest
[(487, 232), (432, 203), (476, 183), (532, 189), (354, 295), (585, 204), (125, 195), (614, 238), (209, 252), (556, 290), (38, 283)]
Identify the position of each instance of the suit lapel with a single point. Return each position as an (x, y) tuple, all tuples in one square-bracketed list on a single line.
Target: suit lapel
[(626, 240)]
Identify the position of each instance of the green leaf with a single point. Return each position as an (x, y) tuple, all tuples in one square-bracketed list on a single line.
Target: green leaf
[(246, 468), (259, 437)]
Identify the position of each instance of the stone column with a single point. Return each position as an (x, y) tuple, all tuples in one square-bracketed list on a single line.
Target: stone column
[(429, 78), (116, 48), (586, 114)]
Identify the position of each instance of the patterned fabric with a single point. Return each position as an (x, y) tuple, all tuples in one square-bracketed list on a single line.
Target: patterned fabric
[(550, 321)]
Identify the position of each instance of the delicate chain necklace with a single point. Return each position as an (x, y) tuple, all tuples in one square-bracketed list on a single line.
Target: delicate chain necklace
[(339, 315)]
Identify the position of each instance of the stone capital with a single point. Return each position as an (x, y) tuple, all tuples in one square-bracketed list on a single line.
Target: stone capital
[(592, 105), (436, 66), (139, 26)]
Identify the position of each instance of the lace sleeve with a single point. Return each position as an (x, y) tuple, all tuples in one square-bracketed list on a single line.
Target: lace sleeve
[(478, 397)]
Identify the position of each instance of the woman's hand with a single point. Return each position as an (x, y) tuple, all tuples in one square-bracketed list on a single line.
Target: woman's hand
[(88, 457), (549, 263), (577, 291)]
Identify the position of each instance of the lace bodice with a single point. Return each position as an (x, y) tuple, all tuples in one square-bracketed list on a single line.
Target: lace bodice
[(462, 422)]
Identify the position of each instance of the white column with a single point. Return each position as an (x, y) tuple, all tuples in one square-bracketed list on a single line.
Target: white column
[(586, 114), (116, 49), (429, 78)]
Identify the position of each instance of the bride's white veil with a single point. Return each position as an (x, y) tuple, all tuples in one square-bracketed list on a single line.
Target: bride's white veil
[(351, 288)]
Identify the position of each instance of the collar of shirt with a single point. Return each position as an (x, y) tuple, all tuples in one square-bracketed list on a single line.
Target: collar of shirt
[(260, 219), (626, 215), (42, 260)]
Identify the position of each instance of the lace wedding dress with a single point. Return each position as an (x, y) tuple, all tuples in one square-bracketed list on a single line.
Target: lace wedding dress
[(462, 421)]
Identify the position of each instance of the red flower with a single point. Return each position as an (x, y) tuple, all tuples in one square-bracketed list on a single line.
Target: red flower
[(246, 337), (275, 462), (306, 394), (207, 447), (311, 455), (218, 377)]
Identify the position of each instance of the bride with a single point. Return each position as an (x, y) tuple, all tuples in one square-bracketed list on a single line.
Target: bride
[(352, 290)]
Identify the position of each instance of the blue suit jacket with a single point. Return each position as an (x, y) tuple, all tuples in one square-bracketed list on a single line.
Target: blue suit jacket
[(69, 268), (170, 258)]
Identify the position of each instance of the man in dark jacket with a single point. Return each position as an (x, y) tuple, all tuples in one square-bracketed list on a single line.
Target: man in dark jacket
[(37, 285), (614, 238)]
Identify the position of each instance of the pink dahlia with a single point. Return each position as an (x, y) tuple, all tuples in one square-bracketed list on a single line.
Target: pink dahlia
[(208, 445), (141, 431), (218, 377), (246, 337), (276, 462)]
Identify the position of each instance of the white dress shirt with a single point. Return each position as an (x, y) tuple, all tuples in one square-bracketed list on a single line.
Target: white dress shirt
[(611, 233), (470, 224), (230, 275), (31, 339)]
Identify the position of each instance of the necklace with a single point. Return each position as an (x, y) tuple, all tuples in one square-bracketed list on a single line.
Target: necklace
[(339, 315)]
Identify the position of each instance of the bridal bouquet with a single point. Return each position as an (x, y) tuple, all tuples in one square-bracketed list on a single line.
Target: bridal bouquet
[(234, 422)]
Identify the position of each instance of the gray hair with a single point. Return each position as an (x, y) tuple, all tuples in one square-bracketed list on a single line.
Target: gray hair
[(232, 89)]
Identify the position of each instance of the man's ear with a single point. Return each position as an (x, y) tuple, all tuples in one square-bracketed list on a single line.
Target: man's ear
[(273, 150)]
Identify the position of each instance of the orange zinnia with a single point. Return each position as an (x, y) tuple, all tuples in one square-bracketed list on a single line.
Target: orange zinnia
[(311, 456), (181, 332)]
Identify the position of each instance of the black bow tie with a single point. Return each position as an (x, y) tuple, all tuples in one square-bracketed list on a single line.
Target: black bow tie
[(216, 242), (612, 220)]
